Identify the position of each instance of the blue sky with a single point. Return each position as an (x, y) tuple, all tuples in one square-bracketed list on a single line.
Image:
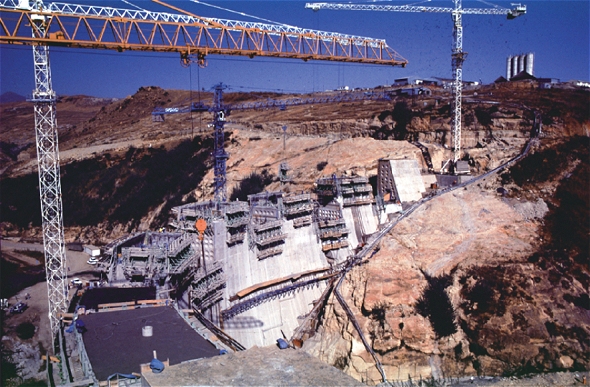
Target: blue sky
[(557, 32)]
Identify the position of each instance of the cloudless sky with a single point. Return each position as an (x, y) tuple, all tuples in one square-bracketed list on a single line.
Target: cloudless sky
[(556, 31)]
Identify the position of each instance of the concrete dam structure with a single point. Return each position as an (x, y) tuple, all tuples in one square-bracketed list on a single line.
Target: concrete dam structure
[(259, 265)]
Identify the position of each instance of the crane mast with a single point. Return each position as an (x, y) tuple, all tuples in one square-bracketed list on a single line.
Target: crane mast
[(32, 22), (219, 153), (49, 179), (457, 55), (457, 59)]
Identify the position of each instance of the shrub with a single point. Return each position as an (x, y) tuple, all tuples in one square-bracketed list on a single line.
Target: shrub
[(435, 305), (25, 330), (341, 362), (8, 370), (114, 189), (252, 184), (484, 116), (481, 294), (321, 165)]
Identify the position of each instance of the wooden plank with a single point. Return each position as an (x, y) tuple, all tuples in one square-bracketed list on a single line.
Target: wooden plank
[(52, 359)]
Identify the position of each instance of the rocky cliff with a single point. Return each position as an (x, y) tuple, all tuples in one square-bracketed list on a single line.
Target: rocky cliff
[(515, 281)]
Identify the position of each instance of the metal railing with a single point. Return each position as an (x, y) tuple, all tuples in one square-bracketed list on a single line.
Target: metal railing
[(224, 337)]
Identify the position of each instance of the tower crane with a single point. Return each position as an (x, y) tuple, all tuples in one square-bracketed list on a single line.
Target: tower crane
[(39, 24), (159, 113), (457, 56), (221, 111)]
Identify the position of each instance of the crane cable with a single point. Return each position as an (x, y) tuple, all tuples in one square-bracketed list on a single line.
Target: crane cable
[(240, 13), (190, 72), (199, 96), (133, 5), (491, 4), (390, 1)]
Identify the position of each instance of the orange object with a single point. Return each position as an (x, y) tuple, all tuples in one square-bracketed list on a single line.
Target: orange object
[(201, 226)]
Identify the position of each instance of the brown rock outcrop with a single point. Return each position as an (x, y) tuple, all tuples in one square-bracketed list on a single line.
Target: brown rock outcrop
[(512, 315)]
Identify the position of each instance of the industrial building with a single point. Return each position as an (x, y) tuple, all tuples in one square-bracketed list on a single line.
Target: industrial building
[(415, 81), (412, 91), (516, 64)]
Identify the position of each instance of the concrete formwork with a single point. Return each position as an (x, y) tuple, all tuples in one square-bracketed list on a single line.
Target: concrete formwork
[(263, 263), (263, 324), (401, 178), (361, 221)]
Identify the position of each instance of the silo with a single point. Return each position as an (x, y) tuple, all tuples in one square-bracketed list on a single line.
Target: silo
[(529, 63), (521, 63), (508, 67), (514, 69)]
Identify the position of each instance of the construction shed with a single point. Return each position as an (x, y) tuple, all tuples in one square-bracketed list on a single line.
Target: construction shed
[(91, 250)]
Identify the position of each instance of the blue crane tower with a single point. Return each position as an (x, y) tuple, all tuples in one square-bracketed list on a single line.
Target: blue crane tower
[(221, 112)]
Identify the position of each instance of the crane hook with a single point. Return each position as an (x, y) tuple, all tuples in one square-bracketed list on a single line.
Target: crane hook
[(186, 59)]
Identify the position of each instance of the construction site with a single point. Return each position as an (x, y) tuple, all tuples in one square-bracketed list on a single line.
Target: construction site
[(368, 252)]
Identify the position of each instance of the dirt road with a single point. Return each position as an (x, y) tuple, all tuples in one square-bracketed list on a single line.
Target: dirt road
[(27, 352)]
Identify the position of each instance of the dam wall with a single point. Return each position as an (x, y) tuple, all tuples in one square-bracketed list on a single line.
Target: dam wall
[(255, 268)]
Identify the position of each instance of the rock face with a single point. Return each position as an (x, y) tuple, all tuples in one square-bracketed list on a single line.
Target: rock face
[(518, 304)]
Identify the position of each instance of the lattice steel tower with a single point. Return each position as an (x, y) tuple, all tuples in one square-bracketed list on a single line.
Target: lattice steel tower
[(219, 154), (457, 55), (49, 178)]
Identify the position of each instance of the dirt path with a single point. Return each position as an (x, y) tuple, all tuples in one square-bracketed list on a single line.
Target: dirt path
[(28, 352)]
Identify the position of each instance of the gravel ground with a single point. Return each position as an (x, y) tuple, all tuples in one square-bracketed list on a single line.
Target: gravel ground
[(27, 353), (266, 366), (540, 380)]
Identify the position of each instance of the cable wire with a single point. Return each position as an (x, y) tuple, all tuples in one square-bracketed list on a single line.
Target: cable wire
[(240, 13)]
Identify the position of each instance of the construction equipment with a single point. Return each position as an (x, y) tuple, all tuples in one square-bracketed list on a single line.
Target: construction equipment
[(221, 112), (159, 113), (194, 37), (458, 55), (32, 22)]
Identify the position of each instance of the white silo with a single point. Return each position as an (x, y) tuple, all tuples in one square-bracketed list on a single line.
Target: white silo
[(508, 67), (514, 69), (521, 63), (529, 63)]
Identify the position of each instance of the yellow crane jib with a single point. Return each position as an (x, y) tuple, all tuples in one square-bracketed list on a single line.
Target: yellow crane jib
[(85, 26)]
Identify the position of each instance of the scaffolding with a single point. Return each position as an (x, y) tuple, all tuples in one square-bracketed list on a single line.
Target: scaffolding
[(354, 191), (155, 256)]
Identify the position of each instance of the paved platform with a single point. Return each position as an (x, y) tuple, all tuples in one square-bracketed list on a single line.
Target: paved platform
[(93, 297), (115, 344)]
